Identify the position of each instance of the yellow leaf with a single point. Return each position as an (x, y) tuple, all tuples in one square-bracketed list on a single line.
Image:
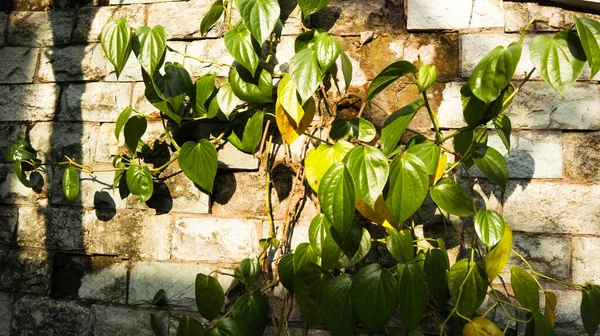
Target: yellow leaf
[(287, 126), (439, 172), (321, 158), (381, 215), (288, 97), (550, 306), (480, 326), (496, 259)]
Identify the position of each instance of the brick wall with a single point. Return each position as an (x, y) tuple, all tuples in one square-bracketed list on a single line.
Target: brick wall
[(93, 266)]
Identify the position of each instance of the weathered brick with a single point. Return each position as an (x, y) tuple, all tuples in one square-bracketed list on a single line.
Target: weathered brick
[(54, 228), (341, 17), (72, 63), (3, 25), (8, 218), (215, 239), (11, 133), (461, 14), (96, 278), (38, 29), (555, 209), (94, 101), (212, 50), (547, 18), (121, 321), (55, 140), (18, 64), (147, 278), (585, 260), (132, 234), (133, 2), (28, 102), (52, 317), (581, 152), (95, 191), (6, 303), (90, 20), (181, 20), (26, 271), (12, 191)]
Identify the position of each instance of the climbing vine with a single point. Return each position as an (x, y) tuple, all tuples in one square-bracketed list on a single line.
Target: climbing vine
[(359, 177)]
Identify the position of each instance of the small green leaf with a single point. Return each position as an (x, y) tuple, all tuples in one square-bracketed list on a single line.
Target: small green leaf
[(286, 271), (452, 198), (260, 16), (328, 50), (309, 283), (198, 160), (589, 35), (212, 16), (408, 185), (149, 46), (204, 89), (369, 170), (400, 245), (157, 325), (159, 297), (191, 327), (428, 152), (337, 306), (115, 38), (489, 226), (303, 255), (496, 259), (209, 296), (396, 124), (134, 129), (337, 197), (492, 164), (360, 128), (317, 233), (251, 312), (346, 68), (436, 267), (139, 181), (312, 6), (590, 308), (426, 77), (238, 42), (225, 327), (288, 97), (503, 126), (389, 75), (495, 71), (21, 175), (252, 89), (246, 131), (20, 151), (559, 60), (227, 99), (525, 288), (250, 270), (174, 86), (319, 160), (473, 284), (413, 294), (121, 120), (306, 73), (374, 296), (70, 183)]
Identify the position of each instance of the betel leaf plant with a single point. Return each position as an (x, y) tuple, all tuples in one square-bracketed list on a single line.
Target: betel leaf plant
[(367, 183)]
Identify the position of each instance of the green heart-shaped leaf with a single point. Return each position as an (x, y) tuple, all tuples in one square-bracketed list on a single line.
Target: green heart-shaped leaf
[(199, 163), (139, 181), (70, 183)]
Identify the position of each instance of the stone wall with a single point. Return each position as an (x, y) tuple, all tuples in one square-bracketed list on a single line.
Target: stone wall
[(93, 266)]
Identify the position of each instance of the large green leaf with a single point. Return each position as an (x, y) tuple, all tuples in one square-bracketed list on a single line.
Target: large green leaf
[(246, 131), (260, 16), (496, 259), (428, 152), (227, 99), (139, 181), (155, 95), (319, 160), (374, 297), (369, 170), (174, 86), (204, 89), (285, 269), (317, 233), (121, 120), (492, 164), (115, 38), (309, 283), (589, 36), (489, 226), (209, 296), (590, 308), (559, 60), (495, 71), (541, 325), (133, 131), (312, 6), (525, 288), (251, 312), (364, 247), (360, 128), (249, 270), (452, 198), (470, 277), (252, 89), (328, 50), (337, 306), (413, 293), (400, 245), (199, 162), (288, 97), (225, 327), (390, 74), (238, 42), (306, 73), (21, 150), (338, 197), (303, 255), (350, 242), (191, 327), (408, 184), (212, 16), (149, 46), (435, 267), (396, 124), (70, 183)]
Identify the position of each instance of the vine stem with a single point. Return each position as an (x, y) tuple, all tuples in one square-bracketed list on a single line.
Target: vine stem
[(434, 119), (534, 272), (163, 167), (317, 138), (199, 59)]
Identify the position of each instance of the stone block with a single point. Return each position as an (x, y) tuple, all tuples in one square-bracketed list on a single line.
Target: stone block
[(94, 101), (55, 140), (132, 71), (133, 2), (132, 234), (215, 239), (18, 64), (568, 313), (178, 281), (108, 146), (291, 17), (26, 271), (548, 18), (39, 29), (585, 260), (352, 17), (8, 218), (95, 191), (28, 102), (212, 50), (54, 228), (52, 317), (3, 25), (454, 15), (72, 63), (95, 278), (6, 303), (532, 154), (11, 133), (123, 321), (26, 5), (12, 191), (542, 206), (581, 152), (90, 20), (182, 20)]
